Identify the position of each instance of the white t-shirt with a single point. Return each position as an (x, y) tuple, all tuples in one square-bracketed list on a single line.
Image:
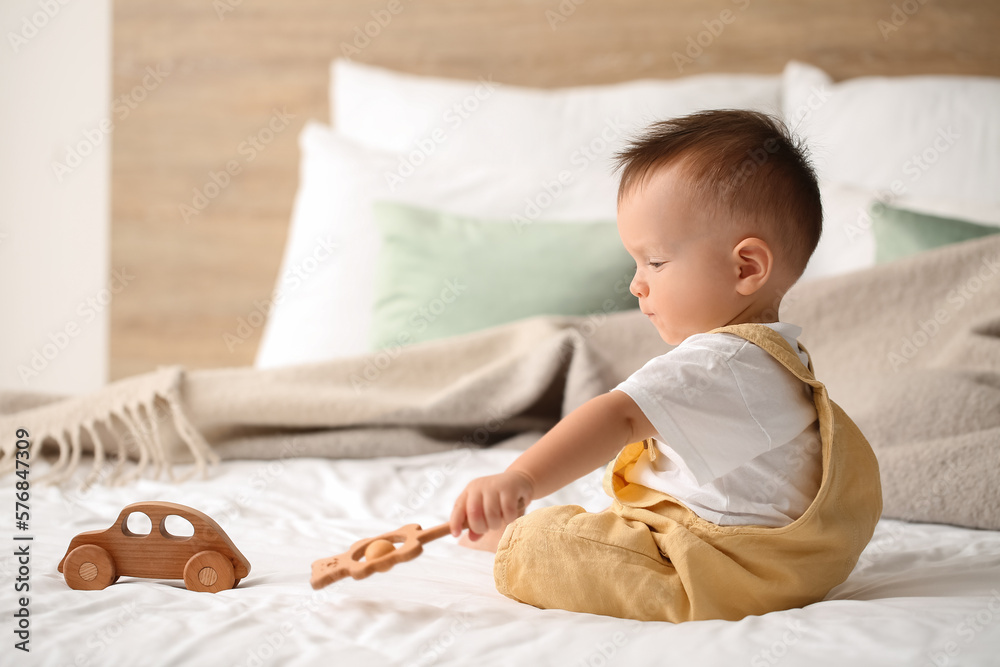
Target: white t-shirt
[(737, 434)]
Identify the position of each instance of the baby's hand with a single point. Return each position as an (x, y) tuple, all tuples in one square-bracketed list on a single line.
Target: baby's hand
[(490, 503)]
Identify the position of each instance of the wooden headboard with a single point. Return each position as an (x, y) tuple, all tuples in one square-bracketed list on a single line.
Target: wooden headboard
[(194, 79)]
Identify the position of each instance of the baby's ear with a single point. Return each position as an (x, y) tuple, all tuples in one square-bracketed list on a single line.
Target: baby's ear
[(755, 262)]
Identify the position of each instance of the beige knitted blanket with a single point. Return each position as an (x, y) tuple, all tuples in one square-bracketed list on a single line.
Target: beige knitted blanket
[(911, 350)]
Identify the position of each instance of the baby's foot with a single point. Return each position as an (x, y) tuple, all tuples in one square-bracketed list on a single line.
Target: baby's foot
[(488, 542)]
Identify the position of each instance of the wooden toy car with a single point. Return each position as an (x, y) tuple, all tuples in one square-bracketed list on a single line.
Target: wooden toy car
[(206, 561)]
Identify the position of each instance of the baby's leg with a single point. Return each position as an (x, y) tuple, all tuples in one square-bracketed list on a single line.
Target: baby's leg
[(566, 558)]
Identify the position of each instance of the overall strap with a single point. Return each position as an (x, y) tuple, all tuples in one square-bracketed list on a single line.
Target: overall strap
[(775, 344)]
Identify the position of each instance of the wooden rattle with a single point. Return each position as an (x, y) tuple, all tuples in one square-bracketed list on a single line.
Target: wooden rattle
[(379, 553)]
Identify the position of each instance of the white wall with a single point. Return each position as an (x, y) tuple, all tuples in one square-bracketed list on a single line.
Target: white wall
[(55, 92)]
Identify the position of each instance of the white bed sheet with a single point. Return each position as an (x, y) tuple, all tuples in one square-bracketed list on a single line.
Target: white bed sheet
[(922, 594)]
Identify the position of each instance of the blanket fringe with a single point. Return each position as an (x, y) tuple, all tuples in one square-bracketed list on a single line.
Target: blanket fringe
[(129, 417)]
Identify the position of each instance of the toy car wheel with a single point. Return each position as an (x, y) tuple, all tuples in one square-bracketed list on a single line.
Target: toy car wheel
[(89, 568), (209, 571)]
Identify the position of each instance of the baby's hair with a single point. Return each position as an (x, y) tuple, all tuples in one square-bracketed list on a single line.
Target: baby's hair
[(746, 164)]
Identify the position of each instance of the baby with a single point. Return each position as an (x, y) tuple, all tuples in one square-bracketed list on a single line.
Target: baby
[(738, 487)]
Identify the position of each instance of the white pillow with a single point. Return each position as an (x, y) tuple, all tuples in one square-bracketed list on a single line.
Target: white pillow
[(929, 143), (426, 118), (323, 298), (400, 112), (522, 154), (847, 243)]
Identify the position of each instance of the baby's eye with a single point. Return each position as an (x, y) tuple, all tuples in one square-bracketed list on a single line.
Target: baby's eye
[(656, 265)]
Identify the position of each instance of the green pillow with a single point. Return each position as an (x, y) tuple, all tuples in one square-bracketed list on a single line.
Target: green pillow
[(440, 275), (899, 233)]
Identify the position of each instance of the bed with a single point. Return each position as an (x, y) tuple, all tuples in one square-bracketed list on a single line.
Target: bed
[(921, 594), (318, 385)]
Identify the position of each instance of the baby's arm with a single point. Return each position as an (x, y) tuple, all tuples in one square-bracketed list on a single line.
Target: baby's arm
[(581, 441)]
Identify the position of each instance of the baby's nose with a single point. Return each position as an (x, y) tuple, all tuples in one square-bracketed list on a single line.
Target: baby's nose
[(636, 287)]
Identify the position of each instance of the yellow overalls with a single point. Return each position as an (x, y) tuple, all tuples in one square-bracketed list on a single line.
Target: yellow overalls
[(648, 557)]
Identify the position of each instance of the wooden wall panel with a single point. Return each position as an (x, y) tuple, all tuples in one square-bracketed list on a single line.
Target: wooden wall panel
[(231, 63)]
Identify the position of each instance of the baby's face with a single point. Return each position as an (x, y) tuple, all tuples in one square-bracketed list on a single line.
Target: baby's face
[(685, 275)]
